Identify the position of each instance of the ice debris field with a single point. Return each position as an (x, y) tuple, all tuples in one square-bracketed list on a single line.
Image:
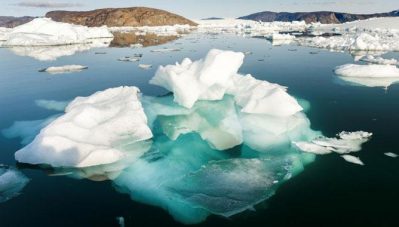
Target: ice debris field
[(220, 143)]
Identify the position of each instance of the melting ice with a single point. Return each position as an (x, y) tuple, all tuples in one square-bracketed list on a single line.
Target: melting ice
[(221, 144)]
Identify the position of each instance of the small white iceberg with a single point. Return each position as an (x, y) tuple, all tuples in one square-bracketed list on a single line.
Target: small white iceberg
[(345, 142), (392, 155), (352, 159), (164, 50), (64, 69), (145, 66), (379, 60), (11, 183), (367, 71)]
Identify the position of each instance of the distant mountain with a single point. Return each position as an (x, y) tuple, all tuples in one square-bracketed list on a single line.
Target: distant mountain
[(117, 17), (10, 22), (324, 17)]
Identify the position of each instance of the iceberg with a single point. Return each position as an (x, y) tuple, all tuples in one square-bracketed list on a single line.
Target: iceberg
[(64, 69), (95, 130), (11, 183), (367, 71), (46, 32), (379, 60)]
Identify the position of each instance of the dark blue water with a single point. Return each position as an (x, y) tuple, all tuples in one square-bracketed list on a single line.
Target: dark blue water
[(330, 192)]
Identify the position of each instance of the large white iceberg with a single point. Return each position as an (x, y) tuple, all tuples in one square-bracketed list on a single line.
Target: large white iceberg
[(11, 183), (46, 32), (215, 76), (95, 130)]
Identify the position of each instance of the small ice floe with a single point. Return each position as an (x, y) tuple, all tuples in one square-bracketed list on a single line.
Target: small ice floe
[(345, 142), (390, 154), (352, 159), (313, 52), (100, 52), (64, 69), (367, 71), (11, 183), (164, 50), (129, 59), (138, 55), (248, 52), (145, 66)]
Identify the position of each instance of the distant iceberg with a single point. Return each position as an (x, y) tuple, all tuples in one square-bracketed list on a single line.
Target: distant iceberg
[(46, 32)]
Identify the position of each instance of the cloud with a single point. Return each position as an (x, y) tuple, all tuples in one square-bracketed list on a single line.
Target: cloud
[(44, 4)]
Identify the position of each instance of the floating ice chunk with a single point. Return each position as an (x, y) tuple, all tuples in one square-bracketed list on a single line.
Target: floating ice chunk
[(352, 159), (345, 142), (11, 183), (45, 32), (205, 79), (145, 66), (390, 154), (52, 104), (129, 59), (64, 69), (95, 130), (280, 37), (367, 71), (379, 60)]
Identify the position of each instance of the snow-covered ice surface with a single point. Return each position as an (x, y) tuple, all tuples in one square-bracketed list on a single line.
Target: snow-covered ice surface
[(46, 32), (368, 71), (100, 129), (11, 183), (220, 144), (63, 69), (392, 155), (378, 60), (170, 30)]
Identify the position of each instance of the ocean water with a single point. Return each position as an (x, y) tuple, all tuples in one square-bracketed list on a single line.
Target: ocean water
[(329, 192)]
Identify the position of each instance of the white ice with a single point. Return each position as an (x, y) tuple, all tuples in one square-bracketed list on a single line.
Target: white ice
[(64, 69), (392, 155), (46, 32), (367, 71), (210, 79), (352, 159), (11, 183), (98, 129), (345, 142), (379, 60)]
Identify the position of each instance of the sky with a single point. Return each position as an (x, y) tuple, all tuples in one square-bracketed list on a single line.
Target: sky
[(197, 9)]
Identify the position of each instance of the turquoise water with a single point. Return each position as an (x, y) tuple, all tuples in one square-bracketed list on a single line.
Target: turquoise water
[(328, 190)]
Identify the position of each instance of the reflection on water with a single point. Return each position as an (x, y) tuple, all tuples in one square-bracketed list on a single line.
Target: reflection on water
[(51, 53), (126, 39)]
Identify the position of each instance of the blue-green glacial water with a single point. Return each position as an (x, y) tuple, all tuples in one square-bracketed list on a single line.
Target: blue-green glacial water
[(187, 180)]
